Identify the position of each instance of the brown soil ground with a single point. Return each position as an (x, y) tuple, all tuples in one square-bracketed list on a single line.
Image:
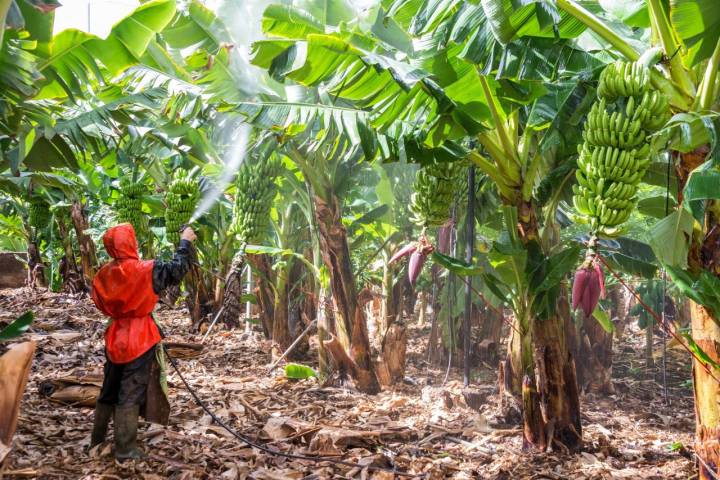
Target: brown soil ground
[(420, 427)]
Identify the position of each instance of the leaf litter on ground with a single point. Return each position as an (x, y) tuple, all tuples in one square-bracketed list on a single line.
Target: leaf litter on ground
[(420, 426)]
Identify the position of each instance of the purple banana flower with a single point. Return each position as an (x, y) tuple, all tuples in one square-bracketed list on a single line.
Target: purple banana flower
[(588, 286), (403, 252)]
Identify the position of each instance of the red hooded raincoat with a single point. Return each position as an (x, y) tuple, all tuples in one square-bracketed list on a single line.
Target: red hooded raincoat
[(123, 290)]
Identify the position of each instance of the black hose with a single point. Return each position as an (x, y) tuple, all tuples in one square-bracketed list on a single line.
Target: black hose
[(271, 451)]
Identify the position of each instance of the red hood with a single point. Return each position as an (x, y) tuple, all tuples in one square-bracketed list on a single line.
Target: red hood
[(120, 242)]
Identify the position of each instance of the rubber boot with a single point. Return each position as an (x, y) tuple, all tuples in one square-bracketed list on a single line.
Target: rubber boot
[(103, 412), (126, 424)]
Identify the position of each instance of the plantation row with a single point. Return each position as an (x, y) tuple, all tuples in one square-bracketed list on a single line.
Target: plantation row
[(496, 141)]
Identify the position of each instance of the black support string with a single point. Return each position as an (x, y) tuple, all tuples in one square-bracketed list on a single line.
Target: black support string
[(665, 326)]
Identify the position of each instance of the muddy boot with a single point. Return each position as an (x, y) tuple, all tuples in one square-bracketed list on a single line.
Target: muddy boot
[(126, 424), (103, 412)]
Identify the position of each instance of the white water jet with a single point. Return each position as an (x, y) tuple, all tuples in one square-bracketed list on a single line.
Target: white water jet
[(234, 158)]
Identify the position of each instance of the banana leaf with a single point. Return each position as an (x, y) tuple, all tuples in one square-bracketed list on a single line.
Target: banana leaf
[(699, 352), (670, 238), (689, 130), (603, 319), (553, 269), (73, 61), (17, 327), (656, 206), (702, 185), (629, 256), (657, 174), (299, 372), (509, 21), (456, 266), (697, 24), (702, 288)]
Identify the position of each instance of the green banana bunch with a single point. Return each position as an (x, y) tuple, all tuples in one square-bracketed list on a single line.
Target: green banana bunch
[(256, 191), (181, 198), (623, 79), (616, 150), (435, 188), (129, 207), (38, 212)]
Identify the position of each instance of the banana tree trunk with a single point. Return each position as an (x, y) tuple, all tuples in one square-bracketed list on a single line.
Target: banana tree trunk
[(263, 292), (388, 307), (684, 315), (706, 333), (554, 416), (510, 376), (310, 291), (281, 331), (704, 254), (351, 352), (73, 280), (325, 320), (649, 360), (300, 307), (88, 254), (285, 279), (399, 295), (490, 323), (232, 304), (594, 353), (391, 335), (621, 310), (36, 267), (394, 347), (595, 358), (409, 297), (435, 347), (199, 301), (224, 261), (147, 248), (434, 350), (422, 309), (550, 400)]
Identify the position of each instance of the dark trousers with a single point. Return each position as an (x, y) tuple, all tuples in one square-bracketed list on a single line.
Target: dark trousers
[(127, 383)]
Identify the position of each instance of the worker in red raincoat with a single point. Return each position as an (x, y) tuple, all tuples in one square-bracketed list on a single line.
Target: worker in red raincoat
[(126, 289)]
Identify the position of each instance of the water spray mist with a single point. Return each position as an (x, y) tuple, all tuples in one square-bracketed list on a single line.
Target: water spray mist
[(233, 160)]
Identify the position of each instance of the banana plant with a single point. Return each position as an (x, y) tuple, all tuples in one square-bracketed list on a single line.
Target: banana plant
[(686, 34), (36, 65), (325, 165), (394, 229), (452, 106), (652, 294)]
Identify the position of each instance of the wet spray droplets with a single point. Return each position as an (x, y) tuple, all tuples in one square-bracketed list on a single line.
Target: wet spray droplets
[(234, 157)]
